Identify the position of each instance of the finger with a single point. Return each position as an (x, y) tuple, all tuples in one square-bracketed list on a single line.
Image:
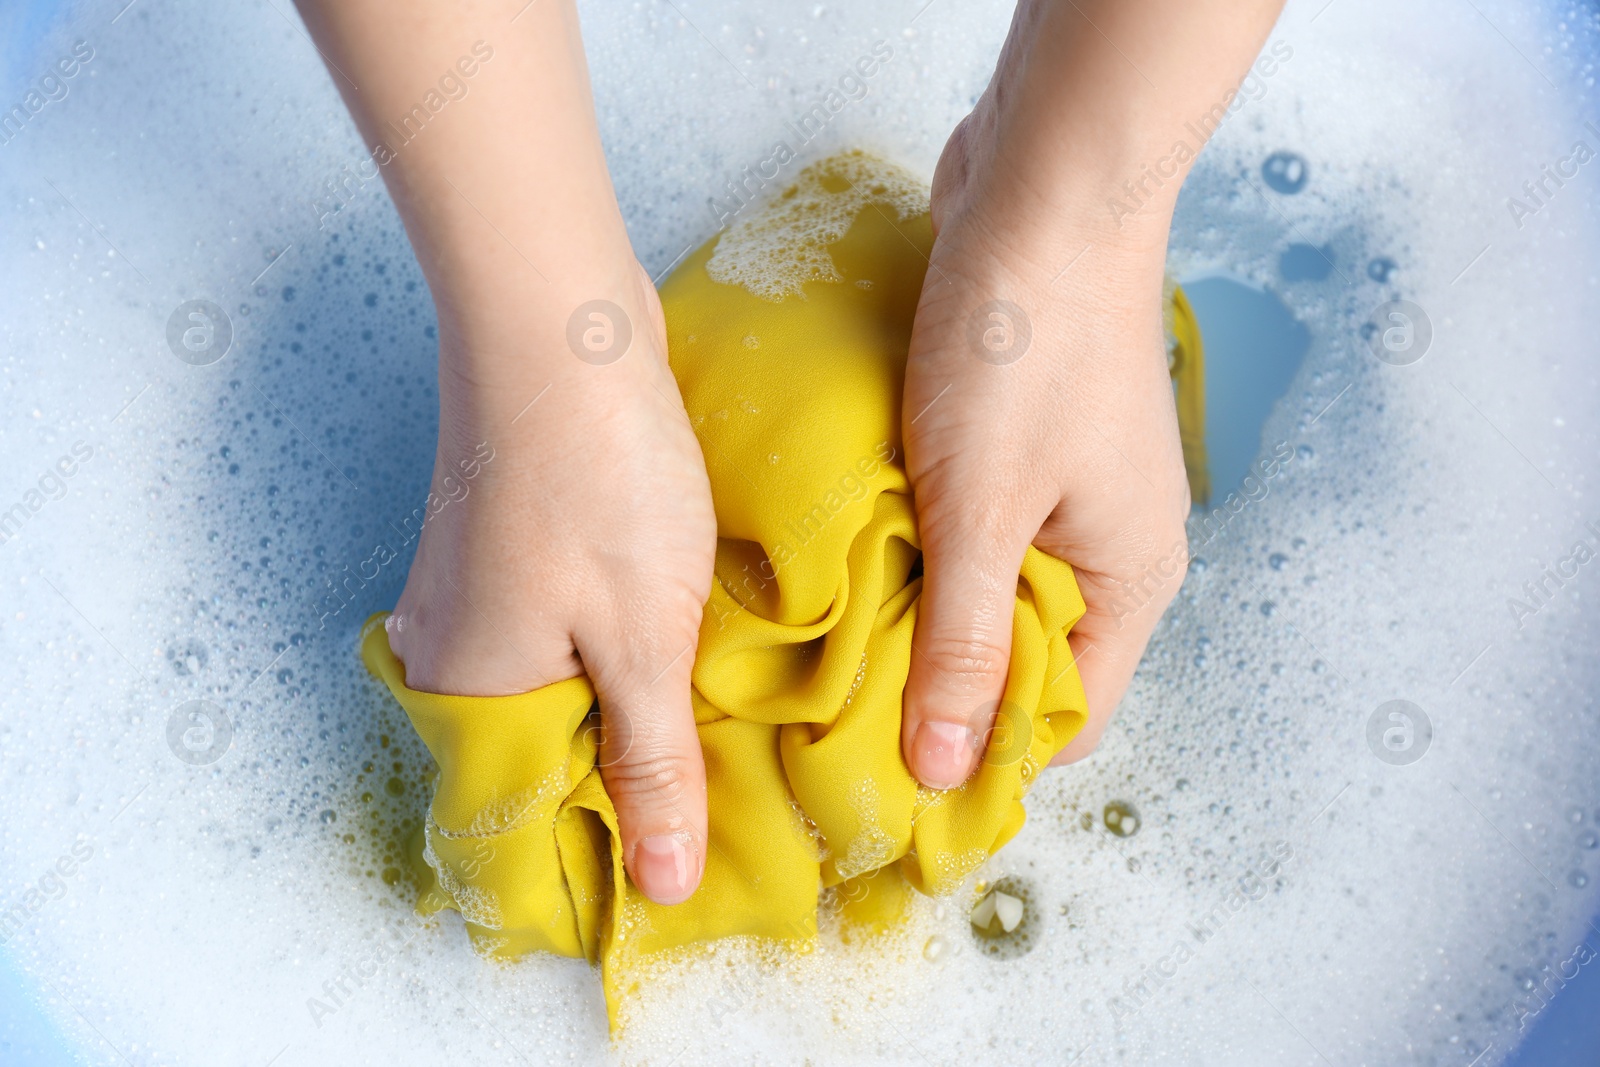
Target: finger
[(1106, 666), (651, 764), (1110, 640), (962, 646)]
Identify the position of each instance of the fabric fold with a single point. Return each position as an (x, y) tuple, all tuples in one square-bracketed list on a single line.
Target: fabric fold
[(803, 653)]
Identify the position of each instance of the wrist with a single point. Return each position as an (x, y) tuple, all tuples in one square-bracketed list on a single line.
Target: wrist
[(526, 261), (1036, 226), (1047, 219), (503, 346), (1073, 130), (1045, 189)]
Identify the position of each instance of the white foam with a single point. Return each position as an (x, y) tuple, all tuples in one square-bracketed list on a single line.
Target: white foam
[(190, 556), (774, 249)]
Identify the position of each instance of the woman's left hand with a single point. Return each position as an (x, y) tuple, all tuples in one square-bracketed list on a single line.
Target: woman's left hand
[(1038, 410)]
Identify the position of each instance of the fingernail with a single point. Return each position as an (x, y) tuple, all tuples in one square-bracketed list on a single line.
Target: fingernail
[(665, 868), (943, 754)]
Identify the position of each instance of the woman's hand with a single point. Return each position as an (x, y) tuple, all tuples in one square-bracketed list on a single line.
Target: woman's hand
[(1038, 410), (1038, 407), (585, 546)]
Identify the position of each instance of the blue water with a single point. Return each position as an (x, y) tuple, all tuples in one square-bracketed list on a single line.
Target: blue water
[(22, 27), (27, 1039), (1567, 1032), (1253, 348)]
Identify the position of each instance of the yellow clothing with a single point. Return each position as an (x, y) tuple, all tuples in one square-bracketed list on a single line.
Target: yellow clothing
[(802, 660), (1186, 360)]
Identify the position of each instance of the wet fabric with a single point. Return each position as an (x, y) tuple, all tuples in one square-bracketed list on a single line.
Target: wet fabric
[(803, 657)]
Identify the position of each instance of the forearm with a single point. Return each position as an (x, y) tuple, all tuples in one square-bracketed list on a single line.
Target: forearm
[(1088, 94), (503, 188)]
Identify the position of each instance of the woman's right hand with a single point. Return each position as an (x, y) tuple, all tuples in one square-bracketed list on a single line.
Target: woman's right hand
[(584, 546)]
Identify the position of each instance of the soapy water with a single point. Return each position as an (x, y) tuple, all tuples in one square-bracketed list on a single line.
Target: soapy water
[(1318, 874)]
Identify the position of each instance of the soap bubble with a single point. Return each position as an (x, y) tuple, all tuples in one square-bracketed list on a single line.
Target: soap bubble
[(1121, 818), (187, 658), (990, 935), (1285, 172)]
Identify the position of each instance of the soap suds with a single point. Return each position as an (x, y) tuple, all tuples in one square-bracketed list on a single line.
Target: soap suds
[(192, 558), (775, 251)]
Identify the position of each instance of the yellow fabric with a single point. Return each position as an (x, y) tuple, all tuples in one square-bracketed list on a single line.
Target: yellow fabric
[(1187, 363), (803, 657)]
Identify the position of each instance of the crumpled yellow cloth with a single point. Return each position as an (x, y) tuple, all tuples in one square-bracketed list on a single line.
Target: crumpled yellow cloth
[(803, 654)]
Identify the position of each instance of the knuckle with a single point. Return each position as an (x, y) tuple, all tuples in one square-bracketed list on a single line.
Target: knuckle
[(631, 660), (662, 779), (962, 508), (677, 605), (1172, 570), (1173, 533), (965, 660)]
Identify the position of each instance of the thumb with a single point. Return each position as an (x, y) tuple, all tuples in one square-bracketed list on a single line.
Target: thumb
[(651, 765), (961, 650)]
